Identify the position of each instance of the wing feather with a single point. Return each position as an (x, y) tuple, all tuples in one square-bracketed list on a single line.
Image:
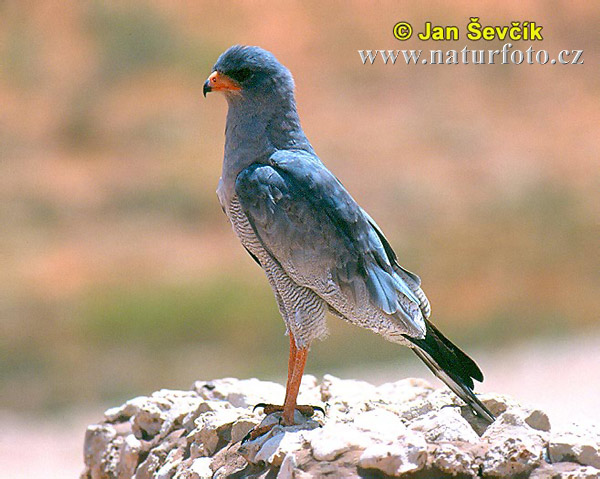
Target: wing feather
[(313, 228)]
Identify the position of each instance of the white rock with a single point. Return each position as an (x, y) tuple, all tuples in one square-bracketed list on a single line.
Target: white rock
[(166, 471), (565, 470), (514, 447), (147, 422), (156, 414), (347, 390), (242, 427), (97, 439), (279, 446), (210, 424), (413, 409), (125, 411), (286, 471), (405, 390), (110, 463), (241, 393), (310, 391), (148, 467), (579, 444), (498, 403), (445, 425), (455, 460), (251, 448), (537, 419), (269, 448), (330, 441), (383, 425), (129, 457), (397, 428), (408, 454), (423, 403), (534, 418), (200, 468)]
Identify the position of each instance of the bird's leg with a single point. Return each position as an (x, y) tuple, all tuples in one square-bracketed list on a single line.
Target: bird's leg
[(296, 365), (291, 365)]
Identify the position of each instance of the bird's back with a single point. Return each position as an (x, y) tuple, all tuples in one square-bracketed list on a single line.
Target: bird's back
[(309, 235)]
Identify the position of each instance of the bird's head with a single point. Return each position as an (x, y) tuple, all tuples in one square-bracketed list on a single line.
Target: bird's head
[(244, 71)]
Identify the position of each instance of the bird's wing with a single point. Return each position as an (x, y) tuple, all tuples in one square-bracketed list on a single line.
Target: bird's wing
[(411, 279), (324, 241)]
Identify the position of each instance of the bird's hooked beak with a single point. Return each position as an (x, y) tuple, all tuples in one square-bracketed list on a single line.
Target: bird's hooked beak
[(219, 82)]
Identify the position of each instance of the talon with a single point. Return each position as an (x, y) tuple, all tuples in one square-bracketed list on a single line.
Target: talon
[(320, 409), (305, 410), (309, 411), (268, 408), (271, 408), (257, 432), (259, 405)]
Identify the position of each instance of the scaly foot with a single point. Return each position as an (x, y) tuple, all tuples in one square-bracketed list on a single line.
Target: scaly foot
[(305, 409), (268, 409)]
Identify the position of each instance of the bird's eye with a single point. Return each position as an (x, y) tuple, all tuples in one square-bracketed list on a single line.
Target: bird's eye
[(241, 75)]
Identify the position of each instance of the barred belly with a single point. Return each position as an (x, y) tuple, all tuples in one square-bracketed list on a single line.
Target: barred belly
[(302, 309)]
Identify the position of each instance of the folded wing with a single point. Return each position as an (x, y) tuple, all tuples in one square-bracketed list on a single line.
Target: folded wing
[(307, 221)]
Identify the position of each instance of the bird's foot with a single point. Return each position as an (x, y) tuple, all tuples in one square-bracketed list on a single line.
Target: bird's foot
[(304, 409), (274, 418), (257, 432)]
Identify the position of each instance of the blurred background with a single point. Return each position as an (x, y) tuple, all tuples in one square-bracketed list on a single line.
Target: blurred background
[(119, 274)]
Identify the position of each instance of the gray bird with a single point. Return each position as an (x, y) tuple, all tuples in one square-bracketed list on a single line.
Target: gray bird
[(320, 250)]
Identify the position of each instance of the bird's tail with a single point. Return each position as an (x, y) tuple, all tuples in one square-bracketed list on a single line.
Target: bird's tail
[(452, 366)]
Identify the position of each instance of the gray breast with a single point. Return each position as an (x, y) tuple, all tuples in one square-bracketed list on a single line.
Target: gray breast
[(303, 311)]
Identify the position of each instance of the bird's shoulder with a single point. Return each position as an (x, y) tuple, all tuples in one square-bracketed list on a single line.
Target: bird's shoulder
[(294, 202), (299, 174)]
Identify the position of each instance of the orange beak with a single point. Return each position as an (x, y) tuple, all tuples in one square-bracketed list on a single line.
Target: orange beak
[(219, 82)]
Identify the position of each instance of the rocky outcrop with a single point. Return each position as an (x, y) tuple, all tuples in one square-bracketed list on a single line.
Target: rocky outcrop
[(402, 429)]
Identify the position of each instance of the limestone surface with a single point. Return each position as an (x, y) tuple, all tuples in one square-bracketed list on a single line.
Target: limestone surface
[(401, 429)]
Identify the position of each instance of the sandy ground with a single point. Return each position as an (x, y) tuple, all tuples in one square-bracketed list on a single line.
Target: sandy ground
[(51, 449), (561, 377)]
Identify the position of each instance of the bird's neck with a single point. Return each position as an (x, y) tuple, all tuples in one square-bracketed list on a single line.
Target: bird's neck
[(255, 130)]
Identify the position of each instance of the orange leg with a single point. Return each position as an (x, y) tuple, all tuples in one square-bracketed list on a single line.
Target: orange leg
[(291, 364), (296, 364)]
